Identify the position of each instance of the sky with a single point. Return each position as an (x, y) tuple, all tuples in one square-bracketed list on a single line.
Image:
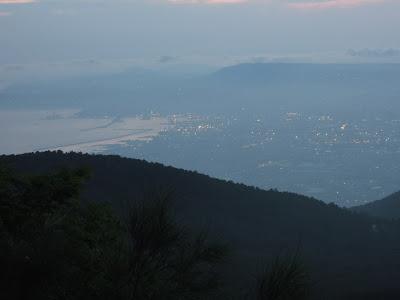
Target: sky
[(210, 31)]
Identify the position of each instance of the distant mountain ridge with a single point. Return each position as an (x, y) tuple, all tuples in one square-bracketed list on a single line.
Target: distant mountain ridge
[(302, 72), (388, 207), (256, 84)]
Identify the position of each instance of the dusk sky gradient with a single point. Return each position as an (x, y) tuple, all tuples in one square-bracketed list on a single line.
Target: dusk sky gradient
[(64, 30)]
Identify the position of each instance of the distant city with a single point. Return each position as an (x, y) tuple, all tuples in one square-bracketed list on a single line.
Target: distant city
[(349, 162)]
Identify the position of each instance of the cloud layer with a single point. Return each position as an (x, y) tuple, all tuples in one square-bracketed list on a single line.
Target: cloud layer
[(207, 1), (320, 5), (302, 5), (16, 1)]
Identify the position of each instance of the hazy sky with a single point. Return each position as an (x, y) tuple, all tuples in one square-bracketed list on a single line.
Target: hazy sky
[(62, 30)]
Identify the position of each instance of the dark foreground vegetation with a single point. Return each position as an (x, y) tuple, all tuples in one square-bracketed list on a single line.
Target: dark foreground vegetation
[(55, 247), (117, 232)]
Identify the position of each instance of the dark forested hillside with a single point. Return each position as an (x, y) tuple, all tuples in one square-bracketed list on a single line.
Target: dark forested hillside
[(388, 207), (347, 254)]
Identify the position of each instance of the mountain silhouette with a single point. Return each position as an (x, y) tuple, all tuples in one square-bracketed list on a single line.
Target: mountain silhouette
[(345, 251), (388, 207)]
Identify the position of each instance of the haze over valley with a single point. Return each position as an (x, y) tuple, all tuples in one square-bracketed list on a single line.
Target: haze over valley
[(324, 130)]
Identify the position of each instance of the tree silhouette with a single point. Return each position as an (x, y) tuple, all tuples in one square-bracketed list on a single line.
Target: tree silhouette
[(52, 246), (165, 261), (286, 279)]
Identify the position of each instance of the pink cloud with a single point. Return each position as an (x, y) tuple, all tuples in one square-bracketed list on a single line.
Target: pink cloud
[(331, 4), (225, 1), (16, 1), (5, 13), (305, 5), (216, 2)]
